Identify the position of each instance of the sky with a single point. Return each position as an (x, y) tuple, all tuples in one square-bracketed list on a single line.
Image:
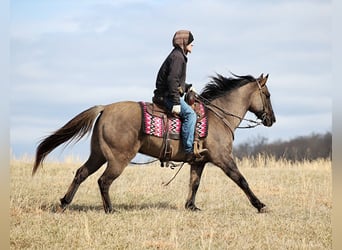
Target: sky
[(66, 56)]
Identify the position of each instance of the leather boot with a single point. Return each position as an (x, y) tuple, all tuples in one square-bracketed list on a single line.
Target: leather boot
[(189, 157)]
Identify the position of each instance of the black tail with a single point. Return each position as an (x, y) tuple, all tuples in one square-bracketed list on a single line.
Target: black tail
[(75, 129)]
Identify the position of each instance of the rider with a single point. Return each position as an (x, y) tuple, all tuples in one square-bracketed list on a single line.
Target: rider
[(171, 86)]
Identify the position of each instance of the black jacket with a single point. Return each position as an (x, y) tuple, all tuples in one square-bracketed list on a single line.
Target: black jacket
[(170, 81)]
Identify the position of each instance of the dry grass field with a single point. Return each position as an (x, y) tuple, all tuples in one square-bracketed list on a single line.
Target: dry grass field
[(151, 216)]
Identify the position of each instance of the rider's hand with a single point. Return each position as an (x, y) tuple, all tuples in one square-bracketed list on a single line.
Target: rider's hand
[(176, 109)]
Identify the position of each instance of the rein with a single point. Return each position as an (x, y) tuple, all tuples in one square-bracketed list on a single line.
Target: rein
[(143, 163), (212, 107)]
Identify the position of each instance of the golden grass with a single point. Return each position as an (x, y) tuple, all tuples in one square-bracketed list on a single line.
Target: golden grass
[(150, 216)]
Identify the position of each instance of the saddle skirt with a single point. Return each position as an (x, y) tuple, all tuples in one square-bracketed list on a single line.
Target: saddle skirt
[(157, 122)]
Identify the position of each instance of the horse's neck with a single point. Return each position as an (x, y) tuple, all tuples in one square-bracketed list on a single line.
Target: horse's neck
[(236, 103)]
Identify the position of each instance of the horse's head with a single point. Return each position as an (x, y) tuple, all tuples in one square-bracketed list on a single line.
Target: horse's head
[(261, 102)]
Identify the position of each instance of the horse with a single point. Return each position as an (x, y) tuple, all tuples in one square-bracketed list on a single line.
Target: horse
[(117, 137)]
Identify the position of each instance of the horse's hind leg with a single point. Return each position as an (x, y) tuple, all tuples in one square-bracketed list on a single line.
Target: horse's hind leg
[(195, 178), (88, 168), (233, 172), (113, 171)]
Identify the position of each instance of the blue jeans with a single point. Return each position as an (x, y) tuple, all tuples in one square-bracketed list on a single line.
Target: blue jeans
[(189, 119)]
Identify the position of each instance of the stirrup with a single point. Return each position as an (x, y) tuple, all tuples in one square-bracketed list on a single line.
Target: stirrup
[(198, 150)]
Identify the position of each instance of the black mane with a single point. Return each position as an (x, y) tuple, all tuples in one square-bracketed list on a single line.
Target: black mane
[(219, 85)]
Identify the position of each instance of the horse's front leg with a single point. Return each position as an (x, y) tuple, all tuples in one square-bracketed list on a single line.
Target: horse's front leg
[(195, 178), (230, 168)]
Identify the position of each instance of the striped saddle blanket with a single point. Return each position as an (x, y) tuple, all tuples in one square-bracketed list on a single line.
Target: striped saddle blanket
[(157, 122)]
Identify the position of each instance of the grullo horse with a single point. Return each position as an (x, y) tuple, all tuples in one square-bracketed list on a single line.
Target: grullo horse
[(117, 136)]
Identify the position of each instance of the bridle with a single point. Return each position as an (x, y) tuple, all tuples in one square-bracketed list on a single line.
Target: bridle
[(214, 108), (262, 95)]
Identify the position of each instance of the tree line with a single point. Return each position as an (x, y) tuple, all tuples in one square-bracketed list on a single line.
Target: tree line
[(301, 148)]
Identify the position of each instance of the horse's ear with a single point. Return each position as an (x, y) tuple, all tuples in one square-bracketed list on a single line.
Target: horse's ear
[(261, 76), (263, 79)]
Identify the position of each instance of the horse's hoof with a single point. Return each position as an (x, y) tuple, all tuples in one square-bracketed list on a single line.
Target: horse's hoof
[(109, 210), (60, 209), (196, 209), (193, 208), (264, 210)]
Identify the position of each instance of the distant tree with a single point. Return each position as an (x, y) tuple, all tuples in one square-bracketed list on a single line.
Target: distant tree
[(300, 148)]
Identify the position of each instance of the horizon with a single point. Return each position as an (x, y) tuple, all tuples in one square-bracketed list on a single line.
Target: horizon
[(65, 153)]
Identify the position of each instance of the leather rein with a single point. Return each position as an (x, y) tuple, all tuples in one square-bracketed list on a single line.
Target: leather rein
[(212, 107)]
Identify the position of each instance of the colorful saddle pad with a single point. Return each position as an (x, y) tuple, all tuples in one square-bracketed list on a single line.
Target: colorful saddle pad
[(155, 124)]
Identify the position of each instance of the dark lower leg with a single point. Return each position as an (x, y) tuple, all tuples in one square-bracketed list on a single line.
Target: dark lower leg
[(232, 171), (195, 178), (104, 184), (113, 171), (251, 196), (82, 173)]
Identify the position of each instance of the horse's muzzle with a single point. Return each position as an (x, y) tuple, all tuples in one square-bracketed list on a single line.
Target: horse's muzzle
[(267, 120)]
